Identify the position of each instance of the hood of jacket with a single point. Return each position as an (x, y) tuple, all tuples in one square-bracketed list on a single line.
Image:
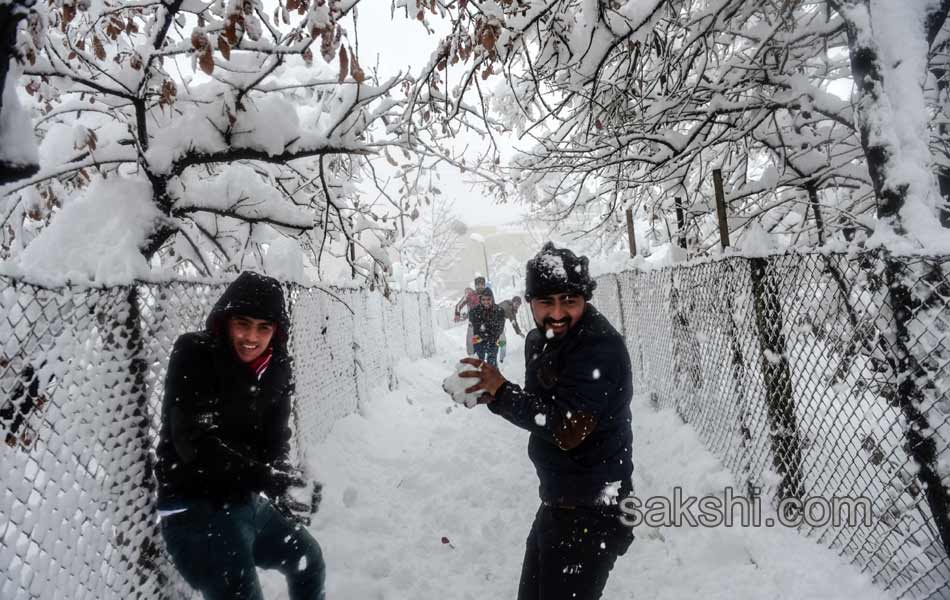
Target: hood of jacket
[(256, 296)]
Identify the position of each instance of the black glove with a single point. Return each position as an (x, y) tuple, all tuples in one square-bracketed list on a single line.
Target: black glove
[(281, 477), (297, 511), (294, 511)]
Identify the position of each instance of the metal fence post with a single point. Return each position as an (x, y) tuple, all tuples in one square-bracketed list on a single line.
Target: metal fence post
[(721, 209), (680, 222), (783, 424), (910, 397)]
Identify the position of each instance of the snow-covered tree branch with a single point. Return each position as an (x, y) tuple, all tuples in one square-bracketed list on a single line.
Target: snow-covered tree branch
[(240, 135)]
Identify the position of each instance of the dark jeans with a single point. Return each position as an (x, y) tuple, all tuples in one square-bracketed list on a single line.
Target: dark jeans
[(218, 549), (487, 351), (570, 553)]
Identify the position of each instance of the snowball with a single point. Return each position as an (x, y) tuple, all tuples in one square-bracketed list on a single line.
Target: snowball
[(610, 493), (455, 386)]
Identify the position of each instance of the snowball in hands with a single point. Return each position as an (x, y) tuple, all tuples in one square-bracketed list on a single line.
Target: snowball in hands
[(455, 386)]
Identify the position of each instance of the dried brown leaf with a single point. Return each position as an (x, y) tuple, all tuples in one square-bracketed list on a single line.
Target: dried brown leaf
[(224, 47), (98, 48), (232, 27), (488, 37), (326, 44), (199, 41), (356, 71), (344, 64), (206, 61)]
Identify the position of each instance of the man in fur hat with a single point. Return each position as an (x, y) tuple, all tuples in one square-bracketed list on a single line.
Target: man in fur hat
[(576, 405)]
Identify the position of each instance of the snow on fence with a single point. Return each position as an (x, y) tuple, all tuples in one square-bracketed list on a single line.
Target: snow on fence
[(813, 375), (81, 373)]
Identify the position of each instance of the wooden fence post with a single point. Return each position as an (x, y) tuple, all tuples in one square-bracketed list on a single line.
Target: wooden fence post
[(631, 236), (721, 209), (680, 222)]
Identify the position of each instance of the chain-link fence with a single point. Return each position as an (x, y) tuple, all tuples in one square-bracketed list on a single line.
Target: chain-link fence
[(81, 373), (817, 375)]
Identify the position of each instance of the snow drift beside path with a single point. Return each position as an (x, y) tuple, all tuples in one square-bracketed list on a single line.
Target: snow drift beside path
[(424, 500)]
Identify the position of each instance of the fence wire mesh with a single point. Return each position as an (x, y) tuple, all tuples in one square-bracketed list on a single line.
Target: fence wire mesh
[(818, 375), (81, 377)]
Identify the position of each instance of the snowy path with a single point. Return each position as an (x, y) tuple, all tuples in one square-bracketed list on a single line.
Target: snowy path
[(412, 469)]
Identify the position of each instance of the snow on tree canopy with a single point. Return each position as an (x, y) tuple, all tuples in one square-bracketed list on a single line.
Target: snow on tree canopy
[(95, 239)]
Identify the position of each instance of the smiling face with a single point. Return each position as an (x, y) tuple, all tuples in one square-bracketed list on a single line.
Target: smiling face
[(485, 301), (557, 313), (249, 336)]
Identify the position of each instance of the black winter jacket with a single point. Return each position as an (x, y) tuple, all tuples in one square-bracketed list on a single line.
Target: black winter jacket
[(487, 323), (576, 404), (222, 428)]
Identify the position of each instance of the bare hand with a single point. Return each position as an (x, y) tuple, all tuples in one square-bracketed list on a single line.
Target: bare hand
[(489, 377)]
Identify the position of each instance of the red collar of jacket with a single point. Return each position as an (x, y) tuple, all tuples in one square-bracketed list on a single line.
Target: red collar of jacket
[(260, 364)]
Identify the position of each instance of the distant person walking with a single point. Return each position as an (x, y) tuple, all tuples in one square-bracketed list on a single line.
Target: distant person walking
[(470, 299), (487, 322), (511, 314)]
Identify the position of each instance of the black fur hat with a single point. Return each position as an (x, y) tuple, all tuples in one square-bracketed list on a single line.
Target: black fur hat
[(554, 270)]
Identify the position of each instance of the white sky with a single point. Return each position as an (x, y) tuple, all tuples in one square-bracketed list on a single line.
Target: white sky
[(400, 44)]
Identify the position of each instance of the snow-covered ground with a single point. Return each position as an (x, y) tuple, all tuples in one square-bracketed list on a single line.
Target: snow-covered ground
[(424, 500)]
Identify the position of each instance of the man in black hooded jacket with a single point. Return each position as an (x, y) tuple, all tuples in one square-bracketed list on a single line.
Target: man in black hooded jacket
[(224, 441), (576, 404)]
